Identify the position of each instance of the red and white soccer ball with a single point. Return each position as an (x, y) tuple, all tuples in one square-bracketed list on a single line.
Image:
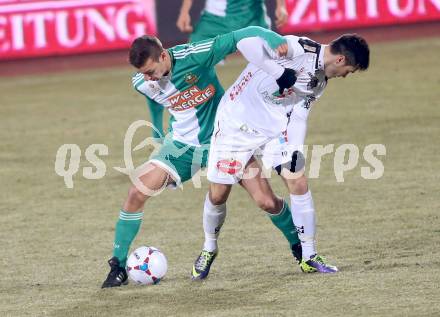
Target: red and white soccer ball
[(146, 265)]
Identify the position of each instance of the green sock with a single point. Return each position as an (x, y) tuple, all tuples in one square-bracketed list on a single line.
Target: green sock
[(126, 229), (283, 221)]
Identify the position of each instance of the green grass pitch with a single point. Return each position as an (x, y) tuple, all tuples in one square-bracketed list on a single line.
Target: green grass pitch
[(383, 234)]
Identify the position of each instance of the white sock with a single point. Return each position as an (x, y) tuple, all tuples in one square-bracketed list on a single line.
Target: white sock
[(213, 219), (303, 215)]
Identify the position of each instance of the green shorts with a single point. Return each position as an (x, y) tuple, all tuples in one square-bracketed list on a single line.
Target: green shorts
[(180, 160), (211, 25)]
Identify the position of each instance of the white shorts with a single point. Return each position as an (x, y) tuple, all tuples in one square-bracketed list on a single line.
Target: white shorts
[(232, 148)]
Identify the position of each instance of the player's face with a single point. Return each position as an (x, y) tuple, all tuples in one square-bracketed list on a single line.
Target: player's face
[(339, 69), (155, 70), (343, 71)]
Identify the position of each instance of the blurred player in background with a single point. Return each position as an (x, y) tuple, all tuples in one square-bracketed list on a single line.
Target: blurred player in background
[(183, 80), (223, 16), (266, 111)]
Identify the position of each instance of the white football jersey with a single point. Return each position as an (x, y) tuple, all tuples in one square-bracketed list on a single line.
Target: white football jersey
[(253, 102)]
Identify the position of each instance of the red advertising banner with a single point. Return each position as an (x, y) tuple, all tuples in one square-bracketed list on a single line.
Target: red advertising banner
[(315, 15), (33, 28)]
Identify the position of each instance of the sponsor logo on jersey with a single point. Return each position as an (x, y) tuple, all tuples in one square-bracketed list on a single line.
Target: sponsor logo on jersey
[(245, 128), (286, 93), (154, 88), (283, 138), (276, 98), (309, 48), (190, 78), (309, 45), (237, 89), (230, 166), (271, 98), (191, 97)]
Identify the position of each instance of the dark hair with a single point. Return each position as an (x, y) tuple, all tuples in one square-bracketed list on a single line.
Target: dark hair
[(354, 48), (143, 48)]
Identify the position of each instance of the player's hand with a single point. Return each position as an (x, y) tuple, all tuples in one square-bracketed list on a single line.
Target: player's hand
[(280, 16), (184, 22), (282, 49), (287, 80)]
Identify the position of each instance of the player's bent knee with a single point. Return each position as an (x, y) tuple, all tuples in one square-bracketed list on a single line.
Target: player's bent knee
[(136, 196), (267, 204), (219, 193), (295, 165), (217, 199)]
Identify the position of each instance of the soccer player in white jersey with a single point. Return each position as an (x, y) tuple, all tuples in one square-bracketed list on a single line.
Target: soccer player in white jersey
[(266, 111), (183, 80)]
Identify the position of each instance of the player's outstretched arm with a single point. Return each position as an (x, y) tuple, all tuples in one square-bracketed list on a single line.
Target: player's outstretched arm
[(209, 52)]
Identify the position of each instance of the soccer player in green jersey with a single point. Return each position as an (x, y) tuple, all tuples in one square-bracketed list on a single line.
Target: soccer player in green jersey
[(183, 80)]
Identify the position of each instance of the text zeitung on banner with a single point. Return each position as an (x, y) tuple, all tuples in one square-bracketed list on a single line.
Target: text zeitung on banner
[(42, 28), (315, 15)]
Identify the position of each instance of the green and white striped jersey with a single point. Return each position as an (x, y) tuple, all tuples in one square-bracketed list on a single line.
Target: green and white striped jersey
[(192, 91)]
